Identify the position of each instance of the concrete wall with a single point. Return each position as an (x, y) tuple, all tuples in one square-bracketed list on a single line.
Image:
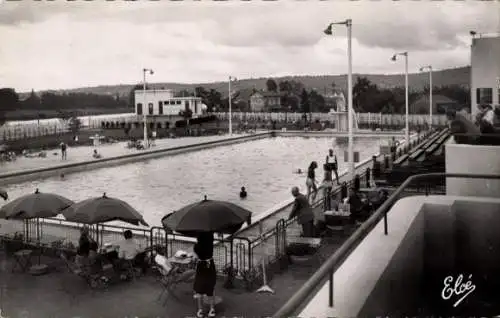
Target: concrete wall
[(474, 160), (358, 275), (439, 244), (485, 68), (400, 285)]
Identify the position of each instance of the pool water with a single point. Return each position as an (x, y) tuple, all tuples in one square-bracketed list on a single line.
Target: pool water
[(159, 186)]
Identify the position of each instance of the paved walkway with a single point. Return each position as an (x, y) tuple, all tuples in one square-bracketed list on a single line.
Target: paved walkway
[(84, 153)]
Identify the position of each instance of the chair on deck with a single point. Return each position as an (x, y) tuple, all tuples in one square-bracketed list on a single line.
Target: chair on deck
[(304, 245), (93, 280), (170, 276)]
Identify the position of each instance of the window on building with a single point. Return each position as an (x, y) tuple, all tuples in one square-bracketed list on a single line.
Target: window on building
[(484, 95), (139, 109), (186, 104), (195, 106), (498, 96), (150, 106), (178, 102), (167, 102), (160, 108)]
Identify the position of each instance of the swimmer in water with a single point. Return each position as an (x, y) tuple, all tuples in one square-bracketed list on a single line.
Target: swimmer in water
[(243, 193), (298, 171), (96, 155)]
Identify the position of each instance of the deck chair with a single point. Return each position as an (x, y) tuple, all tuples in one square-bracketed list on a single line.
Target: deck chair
[(93, 280), (170, 276)]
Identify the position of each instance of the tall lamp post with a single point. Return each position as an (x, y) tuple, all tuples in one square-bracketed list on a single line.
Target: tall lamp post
[(350, 147), (231, 78), (145, 107), (429, 68), (407, 129)]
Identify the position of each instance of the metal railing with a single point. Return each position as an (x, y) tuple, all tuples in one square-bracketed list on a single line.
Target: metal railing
[(297, 302)]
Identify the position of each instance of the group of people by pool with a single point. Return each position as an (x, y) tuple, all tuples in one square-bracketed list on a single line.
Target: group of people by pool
[(121, 253), (312, 223), (330, 168), (127, 254)]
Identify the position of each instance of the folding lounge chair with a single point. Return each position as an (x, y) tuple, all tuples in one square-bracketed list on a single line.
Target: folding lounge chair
[(170, 276)]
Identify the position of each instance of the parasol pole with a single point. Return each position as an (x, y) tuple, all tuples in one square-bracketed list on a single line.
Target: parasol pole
[(265, 287), (38, 240), (229, 282)]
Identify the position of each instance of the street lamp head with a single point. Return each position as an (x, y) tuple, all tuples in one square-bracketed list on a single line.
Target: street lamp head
[(472, 33), (394, 57), (151, 72), (329, 30)]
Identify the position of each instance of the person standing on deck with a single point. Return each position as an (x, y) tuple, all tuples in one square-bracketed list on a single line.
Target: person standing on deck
[(63, 151), (327, 186), (331, 161), (304, 213), (206, 275)]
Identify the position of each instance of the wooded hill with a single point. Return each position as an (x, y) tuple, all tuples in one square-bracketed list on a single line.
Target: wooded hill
[(418, 81)]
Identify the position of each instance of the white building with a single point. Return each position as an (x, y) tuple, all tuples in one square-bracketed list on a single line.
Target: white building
[(485, 71), (161, 102)]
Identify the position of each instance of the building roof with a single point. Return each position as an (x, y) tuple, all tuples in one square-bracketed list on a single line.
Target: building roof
[(267, 94), (423, 102), (244, 94), (436, 99)]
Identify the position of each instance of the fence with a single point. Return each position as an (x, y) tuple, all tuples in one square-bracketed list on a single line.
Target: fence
[(362, 118), (33, 130)]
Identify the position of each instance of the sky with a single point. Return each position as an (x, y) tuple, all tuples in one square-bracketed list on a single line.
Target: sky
[(61, 44)]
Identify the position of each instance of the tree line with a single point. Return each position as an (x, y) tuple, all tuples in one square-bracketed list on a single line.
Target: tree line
[(294, 96)]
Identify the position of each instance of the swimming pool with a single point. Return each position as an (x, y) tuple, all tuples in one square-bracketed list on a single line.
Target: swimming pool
[(159, 186)]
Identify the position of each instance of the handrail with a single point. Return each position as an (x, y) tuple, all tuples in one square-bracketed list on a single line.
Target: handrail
[(311, 287)]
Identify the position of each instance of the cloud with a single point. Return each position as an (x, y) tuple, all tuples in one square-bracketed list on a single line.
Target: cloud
[(70, 44), (427, 26)]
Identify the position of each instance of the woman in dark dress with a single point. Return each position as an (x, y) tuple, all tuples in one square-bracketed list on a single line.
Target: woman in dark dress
[(206, 275)]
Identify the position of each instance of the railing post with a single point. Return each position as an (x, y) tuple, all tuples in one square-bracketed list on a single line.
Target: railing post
[(343, 191), (330, 290), (386, 230), (368, 177), (357, 182)]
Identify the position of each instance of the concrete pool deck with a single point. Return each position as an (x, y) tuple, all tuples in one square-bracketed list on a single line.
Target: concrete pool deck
[(83, 154), (113, 155), (60, 294)]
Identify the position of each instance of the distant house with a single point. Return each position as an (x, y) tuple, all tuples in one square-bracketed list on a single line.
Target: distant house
[(242, 99), (265, 101), (335, 101), (440, 104)]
